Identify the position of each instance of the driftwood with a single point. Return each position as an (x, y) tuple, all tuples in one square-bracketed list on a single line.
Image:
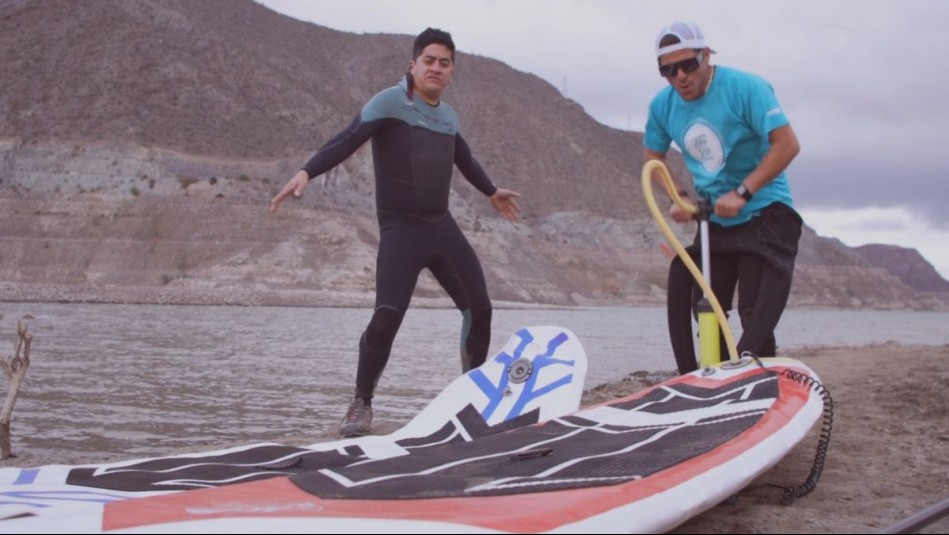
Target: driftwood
[(15, 370)]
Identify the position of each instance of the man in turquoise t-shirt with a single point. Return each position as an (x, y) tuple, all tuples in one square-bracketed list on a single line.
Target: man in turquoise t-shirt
[(737, 143)]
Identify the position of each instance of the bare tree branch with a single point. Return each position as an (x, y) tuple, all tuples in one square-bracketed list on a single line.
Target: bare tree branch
[(15, 369)]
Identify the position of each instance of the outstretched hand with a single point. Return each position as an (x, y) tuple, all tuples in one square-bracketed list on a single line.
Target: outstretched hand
[(295, 187), (504, 202)]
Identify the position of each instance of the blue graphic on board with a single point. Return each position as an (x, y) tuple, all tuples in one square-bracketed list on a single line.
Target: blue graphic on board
[(27, 476), (531, 391), (41, 499)]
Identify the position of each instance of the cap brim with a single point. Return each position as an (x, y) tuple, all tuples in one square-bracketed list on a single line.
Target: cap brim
[(677, 47)]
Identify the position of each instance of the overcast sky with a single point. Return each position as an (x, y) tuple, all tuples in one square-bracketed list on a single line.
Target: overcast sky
[(864, 83)]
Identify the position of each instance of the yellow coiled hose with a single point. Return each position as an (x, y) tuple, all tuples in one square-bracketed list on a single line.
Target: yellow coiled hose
[(669, 185)]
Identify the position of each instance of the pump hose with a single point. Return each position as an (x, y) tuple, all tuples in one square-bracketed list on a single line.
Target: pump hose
[(669, 185)]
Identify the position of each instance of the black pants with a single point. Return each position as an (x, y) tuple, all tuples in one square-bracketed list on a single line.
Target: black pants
[(757, 257), (407, 245)]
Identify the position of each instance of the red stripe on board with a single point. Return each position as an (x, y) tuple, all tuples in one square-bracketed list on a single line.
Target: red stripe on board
[(531, 512)]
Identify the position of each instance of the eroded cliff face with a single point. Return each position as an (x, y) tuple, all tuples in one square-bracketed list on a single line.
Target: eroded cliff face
[(129, 224), (141, 142)]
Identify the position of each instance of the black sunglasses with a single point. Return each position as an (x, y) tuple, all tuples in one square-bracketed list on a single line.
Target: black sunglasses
[(687, 65)]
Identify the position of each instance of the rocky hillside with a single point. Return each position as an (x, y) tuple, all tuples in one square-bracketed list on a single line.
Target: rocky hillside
[(141, 141)]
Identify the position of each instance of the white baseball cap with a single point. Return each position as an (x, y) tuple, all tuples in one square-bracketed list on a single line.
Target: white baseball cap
[(689, 34)]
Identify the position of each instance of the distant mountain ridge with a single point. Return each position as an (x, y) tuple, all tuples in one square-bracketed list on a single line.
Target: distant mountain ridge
[(141, 140), (905, 264)]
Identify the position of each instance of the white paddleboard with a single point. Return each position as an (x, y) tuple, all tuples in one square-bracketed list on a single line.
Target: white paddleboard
[(643, 463)]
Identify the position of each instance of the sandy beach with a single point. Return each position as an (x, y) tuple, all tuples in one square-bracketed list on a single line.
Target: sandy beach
[(888, 456)]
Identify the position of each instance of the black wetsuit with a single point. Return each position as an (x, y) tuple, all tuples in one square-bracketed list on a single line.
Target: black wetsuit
[(415, 147)]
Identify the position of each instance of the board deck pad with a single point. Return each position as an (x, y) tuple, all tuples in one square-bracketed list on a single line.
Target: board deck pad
[(640, 437), (265, 461)]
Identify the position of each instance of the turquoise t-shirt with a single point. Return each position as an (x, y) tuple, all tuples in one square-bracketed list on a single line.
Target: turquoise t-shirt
[(723, 136)]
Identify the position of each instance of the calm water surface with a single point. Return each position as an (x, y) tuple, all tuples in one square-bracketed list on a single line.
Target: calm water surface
[(143, 380)]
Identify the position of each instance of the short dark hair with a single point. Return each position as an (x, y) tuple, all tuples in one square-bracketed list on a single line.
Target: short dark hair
[(429, 36), (669, 39)]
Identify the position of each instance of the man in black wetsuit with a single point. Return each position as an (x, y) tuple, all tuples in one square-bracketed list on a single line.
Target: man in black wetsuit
[(416, 142)]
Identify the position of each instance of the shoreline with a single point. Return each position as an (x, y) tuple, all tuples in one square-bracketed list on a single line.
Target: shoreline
[(238, 297), (198, 294)]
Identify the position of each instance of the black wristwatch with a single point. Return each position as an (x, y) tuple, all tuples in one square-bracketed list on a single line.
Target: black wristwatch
[(744, 192)]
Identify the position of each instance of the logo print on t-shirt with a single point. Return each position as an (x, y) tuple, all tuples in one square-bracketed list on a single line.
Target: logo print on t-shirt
[(704, 145)]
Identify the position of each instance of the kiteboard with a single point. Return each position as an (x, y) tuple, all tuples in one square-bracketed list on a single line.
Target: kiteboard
[(641, 463), (537, 375)]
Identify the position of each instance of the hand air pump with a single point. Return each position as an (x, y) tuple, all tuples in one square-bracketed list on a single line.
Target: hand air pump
[(710, 351), (708, 330)]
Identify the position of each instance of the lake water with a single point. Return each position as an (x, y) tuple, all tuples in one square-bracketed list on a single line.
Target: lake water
[(144, 380)]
